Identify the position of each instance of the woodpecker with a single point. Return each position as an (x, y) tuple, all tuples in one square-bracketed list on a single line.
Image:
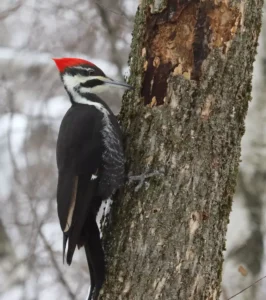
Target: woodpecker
[(90, 161)]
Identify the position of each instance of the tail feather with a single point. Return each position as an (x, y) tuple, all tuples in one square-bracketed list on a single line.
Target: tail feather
[(65, 238), (71, 249), (95, 258), (92, 282), (84, 231), (83, 206)]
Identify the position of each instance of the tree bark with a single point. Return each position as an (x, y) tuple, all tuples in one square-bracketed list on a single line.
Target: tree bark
[(245, 239), (191, 66)]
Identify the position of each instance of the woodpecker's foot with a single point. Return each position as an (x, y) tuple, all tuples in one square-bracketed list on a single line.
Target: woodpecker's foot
[(142, 179)]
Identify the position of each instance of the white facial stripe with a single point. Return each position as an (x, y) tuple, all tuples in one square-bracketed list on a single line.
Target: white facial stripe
[(73, 82), (72, 205), (82, 68), (97, 77), (95, 90)]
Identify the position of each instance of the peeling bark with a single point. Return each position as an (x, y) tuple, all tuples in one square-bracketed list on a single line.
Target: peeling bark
[(191, 65)]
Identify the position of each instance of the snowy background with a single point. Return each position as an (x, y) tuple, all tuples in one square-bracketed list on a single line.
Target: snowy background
[(32, 104)]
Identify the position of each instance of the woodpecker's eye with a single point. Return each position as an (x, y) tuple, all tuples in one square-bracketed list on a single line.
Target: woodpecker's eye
[(80, 70), (85, 72), (89, 72)]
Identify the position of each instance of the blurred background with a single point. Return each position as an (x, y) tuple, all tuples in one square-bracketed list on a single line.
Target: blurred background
[(32, 104)]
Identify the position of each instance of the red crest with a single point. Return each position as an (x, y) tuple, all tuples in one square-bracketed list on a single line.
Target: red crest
[(63, 63)]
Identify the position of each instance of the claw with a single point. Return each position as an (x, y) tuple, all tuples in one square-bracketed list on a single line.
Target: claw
[(141, 178)]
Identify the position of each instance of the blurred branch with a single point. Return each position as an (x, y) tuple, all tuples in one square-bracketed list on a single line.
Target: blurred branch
[(257, 281), (37, 224), (56, 266), (251, 250), (113, 11), (115, 56), (5, 245), (6, 13)]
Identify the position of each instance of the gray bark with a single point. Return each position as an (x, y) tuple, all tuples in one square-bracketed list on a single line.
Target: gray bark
[(191, 65), (245, 234)]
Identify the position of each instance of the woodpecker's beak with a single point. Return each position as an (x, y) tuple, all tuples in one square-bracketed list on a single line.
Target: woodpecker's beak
[(116, 83)]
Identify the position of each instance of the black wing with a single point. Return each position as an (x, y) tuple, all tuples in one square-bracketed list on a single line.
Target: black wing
[(79, 149)]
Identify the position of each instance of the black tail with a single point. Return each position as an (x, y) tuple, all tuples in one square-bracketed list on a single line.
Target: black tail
[(95, 258), (84, 204)]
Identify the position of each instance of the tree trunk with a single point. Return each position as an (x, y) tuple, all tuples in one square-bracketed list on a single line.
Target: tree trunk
[(191, 66)]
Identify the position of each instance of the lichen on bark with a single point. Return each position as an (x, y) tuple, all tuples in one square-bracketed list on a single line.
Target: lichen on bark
[(166, 240)]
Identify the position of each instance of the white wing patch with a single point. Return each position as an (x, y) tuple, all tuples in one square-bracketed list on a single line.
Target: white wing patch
[(72, 205), (103, 213), (93, 177)]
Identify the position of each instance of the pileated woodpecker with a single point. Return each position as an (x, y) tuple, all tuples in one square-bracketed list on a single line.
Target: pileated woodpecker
[(90, 162)]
